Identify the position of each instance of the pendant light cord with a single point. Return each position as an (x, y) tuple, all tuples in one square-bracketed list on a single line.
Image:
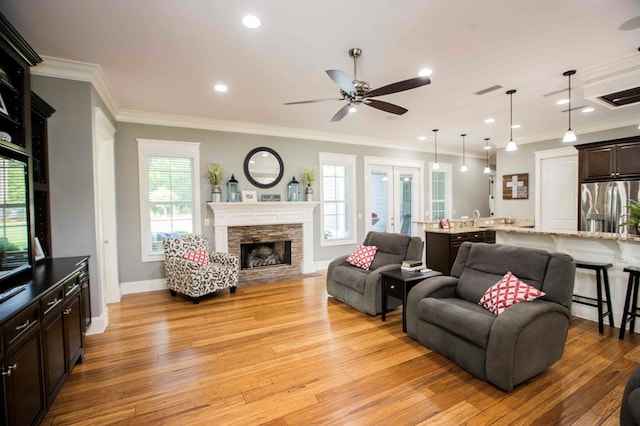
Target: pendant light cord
[(569, 101), (435, 143)]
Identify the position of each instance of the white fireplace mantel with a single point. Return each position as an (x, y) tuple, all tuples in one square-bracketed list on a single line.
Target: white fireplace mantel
[(265, 213)]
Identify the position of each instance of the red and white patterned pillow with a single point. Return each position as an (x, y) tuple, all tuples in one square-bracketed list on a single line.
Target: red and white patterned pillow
[(363, 256), (199, 256), (506, 292)]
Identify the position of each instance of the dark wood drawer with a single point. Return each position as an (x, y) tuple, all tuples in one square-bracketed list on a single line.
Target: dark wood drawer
[(475, 237), (394, 288), (52, 302), (71, 285), (18, 327)]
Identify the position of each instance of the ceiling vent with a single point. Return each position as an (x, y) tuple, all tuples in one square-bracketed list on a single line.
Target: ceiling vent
[(622, 98), (614, 84)]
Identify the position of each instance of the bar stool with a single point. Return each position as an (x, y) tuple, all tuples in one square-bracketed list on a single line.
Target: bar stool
[(630, 314), (600, 269)]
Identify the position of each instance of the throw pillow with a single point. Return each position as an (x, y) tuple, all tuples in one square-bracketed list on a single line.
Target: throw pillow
[(199, 256), (506, 292), (363, 256)]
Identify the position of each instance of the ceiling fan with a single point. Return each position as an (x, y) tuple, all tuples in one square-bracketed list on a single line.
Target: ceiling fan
[(358, 92)]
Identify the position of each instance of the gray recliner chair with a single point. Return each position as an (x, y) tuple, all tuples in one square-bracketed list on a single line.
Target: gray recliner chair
[(630, 408), (362, 289), (443, 313)]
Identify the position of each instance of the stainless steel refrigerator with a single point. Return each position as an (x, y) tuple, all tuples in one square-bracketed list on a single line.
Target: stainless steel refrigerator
[(602, 205)]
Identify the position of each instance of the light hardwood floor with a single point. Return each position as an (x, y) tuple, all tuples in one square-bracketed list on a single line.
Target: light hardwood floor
[(286, 354)]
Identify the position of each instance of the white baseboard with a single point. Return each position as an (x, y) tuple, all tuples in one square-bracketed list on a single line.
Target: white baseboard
[(323, 264), (144, 286), (98, 324)]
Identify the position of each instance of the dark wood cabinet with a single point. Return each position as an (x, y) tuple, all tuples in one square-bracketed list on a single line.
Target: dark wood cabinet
[(42, 339), (40, 113), (609, 160), (442, 247), (23, 368)]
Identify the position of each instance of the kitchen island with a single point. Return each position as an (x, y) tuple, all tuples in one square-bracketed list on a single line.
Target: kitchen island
[(620, 250)]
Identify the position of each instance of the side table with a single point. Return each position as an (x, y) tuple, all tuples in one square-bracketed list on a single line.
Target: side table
[(398, 283)]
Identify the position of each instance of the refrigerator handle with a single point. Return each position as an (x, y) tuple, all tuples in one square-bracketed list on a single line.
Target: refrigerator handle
[(615, 211)]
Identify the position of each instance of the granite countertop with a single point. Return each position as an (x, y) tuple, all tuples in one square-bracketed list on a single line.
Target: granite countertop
[(578, 234)]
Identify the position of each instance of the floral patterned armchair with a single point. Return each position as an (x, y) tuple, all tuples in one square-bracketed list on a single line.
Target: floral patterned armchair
[(198, 276)]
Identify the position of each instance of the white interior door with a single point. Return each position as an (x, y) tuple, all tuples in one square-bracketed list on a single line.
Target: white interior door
[(557, 189), (106, 210)]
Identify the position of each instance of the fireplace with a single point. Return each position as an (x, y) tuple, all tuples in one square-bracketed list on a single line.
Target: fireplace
[(265, 254)]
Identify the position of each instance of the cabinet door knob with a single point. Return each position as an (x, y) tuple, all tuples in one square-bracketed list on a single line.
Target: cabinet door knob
[(67, 311)]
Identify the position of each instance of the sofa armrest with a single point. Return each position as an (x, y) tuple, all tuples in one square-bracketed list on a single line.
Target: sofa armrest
[(338, 261), (439, 286), (524, 340), (181, 264)]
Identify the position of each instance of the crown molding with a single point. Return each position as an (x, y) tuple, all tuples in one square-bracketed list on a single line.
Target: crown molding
[(172, 120), (79, 71)]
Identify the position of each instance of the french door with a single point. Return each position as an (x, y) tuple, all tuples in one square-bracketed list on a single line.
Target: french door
[(393, 196)]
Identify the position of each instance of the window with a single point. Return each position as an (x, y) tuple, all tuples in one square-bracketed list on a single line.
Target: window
[(169, 193), (338, 198), (441, 192)]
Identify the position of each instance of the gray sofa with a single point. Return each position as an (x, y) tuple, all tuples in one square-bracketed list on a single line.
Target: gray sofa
[(362, 289), (443, 313)]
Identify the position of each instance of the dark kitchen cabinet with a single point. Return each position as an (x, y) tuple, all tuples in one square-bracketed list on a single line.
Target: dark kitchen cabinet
[(442, 247), (610, 160)]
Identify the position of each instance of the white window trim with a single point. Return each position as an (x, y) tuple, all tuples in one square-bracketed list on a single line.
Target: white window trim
[(151, 147), (346, 160), (448, 207)]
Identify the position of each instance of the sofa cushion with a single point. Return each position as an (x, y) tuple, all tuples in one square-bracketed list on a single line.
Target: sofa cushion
[(199, 256), (459, 317), (351, 277), (506, 292), (486, 264), (362, 256)]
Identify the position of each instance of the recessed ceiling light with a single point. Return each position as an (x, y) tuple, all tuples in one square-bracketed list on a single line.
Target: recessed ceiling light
[(352, 109), (587, 109), (251, 21), (220, 88), (425, 72), (562, 102), (422, 138), (515, 126), (490, 120)]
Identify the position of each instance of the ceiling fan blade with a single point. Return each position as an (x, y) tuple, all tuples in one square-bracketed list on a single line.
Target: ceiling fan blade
[(400, 86), (341, 113), (314, 101), (342, 81), (386, 106)]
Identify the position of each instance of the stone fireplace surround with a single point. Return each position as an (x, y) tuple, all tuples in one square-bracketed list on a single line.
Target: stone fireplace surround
[(233, 222)]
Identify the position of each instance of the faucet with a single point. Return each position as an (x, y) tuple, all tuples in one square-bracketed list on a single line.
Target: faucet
[(476, 216)]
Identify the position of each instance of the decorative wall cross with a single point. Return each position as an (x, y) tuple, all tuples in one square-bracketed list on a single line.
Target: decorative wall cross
[(515, 186)]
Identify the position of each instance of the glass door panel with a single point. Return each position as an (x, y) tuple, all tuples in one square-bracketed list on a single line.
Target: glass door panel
[(381, 193), (405, 200)]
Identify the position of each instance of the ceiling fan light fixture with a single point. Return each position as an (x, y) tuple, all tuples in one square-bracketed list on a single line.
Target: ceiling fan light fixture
[(425, 72), (569, 136), (511, 146), (352, 110)]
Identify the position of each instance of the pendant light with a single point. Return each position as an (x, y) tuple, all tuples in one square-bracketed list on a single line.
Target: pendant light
[(511, 146), (463, 168), (487, 169), (569, 136), (435, 166)]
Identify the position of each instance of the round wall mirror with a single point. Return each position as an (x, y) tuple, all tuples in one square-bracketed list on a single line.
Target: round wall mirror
[(263, 167)]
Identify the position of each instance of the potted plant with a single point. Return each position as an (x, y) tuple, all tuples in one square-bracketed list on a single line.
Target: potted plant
[(633, 216), (308, 177), (214, 174)]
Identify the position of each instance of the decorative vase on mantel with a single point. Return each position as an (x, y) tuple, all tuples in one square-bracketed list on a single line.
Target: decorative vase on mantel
[(308, 193), (216, 194)]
